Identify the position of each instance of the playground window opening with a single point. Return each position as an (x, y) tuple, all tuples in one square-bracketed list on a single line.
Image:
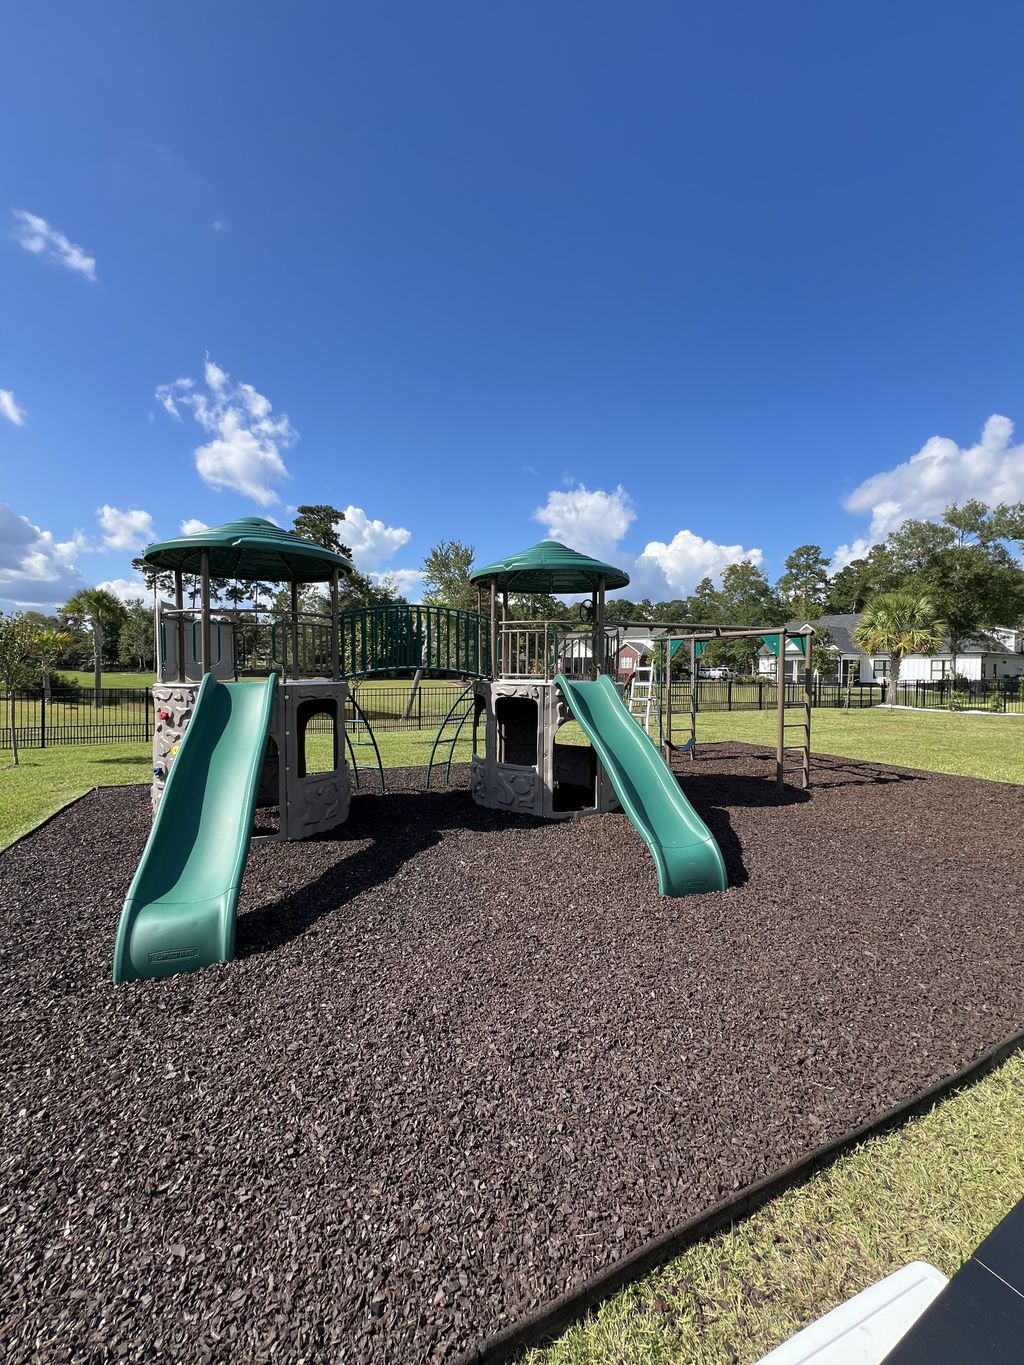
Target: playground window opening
[(317, 723), (574, 772), (517, 722)]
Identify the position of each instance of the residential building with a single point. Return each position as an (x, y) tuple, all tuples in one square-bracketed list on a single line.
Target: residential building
[(1000, 654)]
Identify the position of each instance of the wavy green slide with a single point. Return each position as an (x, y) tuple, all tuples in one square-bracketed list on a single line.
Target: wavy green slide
[(180, 911), (684, 850)]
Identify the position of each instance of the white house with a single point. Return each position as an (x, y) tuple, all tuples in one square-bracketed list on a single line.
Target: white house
[(1000, 655)]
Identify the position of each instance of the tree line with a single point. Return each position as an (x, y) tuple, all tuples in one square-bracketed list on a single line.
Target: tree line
[(962, 572)]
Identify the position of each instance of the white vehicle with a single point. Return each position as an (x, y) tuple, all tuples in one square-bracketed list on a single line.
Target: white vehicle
[(719, 674)]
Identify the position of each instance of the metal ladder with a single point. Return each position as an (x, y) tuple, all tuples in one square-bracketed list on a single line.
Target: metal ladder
[(461, 710), (795, 755), (643, 697), (359, 735)]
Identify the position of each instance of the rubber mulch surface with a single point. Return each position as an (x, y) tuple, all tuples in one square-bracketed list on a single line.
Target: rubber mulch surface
[(463, 1059)]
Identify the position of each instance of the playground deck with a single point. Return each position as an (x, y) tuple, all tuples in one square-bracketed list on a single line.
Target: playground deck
[(463, 1060)]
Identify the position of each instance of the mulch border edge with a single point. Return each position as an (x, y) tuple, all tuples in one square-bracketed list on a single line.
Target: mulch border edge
[(547, 1322), (49, 819)]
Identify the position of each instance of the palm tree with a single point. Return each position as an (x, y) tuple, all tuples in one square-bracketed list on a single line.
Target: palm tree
[(101, 609), (48, 645), (899, 623)]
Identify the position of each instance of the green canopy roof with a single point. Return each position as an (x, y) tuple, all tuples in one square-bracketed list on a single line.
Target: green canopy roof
[(550, 567), (253, 549)]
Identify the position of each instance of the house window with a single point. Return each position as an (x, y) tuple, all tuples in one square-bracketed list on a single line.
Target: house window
[(880, 669), (940, 668), (849, 671)]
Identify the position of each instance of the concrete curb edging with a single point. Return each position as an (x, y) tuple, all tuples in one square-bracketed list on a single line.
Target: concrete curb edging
[(546, 1322)]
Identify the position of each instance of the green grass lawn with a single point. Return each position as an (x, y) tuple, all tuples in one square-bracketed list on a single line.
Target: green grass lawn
[(47, 779), (929, 1191), (84, 679), (939, 741)]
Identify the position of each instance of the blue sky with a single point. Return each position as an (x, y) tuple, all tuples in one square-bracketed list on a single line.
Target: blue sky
[(674, 283)]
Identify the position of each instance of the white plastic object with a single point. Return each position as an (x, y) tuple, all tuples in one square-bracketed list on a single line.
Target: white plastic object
[(864, 1329)]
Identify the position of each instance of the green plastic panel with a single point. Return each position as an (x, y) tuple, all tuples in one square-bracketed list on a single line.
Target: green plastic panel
[(550, 567), (180, 912), (686, 855), (251, 549)]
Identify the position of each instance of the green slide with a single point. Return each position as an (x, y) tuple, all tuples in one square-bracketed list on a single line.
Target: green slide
[(684, 850), (180, 911)]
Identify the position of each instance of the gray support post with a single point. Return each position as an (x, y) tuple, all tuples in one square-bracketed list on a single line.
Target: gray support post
[(599, 659), (780, 731), (506, 643), (693, 697), (204, 627), (808, 686), (179, 625), (295, 629), (335, 645), (494, 628), (667, 738)]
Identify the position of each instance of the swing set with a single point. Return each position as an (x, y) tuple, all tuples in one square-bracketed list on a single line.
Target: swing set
[(784, 644)]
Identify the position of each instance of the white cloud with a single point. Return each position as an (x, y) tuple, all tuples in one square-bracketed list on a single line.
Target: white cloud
[(245, 453), (372, 541), (131, 530), (10, 409), (846, 554), (686, 559), (192, 526), (590, 520), (407, 582), (36, 569), (595, 521), (37, 236), (127, 589), (941, 473)]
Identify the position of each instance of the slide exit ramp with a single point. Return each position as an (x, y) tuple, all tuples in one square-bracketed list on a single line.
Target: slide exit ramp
[(181, 906), (684, 850)]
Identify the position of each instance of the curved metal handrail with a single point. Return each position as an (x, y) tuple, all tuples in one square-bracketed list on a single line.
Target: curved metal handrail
[(361, 716), (467, 692)]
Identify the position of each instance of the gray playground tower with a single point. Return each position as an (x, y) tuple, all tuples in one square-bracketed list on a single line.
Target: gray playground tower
[(305, 645), (519, 764)]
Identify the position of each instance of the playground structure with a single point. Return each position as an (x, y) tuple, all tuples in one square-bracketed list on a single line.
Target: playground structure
[(223, 748)]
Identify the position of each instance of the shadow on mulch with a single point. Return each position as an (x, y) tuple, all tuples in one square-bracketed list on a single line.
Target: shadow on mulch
[(395, 829), (827, 771)]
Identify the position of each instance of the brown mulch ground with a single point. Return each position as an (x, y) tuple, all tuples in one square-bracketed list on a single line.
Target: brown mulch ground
[(465, 1059)]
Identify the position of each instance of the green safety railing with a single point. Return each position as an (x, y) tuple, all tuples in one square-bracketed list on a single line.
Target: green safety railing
[(402, 639)]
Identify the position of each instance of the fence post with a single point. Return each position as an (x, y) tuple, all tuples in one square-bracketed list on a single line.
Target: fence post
[(149, 725), (42, 719), (728, 695), (419, 708)]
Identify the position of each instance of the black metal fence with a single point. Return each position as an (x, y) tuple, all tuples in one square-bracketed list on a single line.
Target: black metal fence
[(385, 707), (122, 714), (76, 716), (736, 695), (959, 694)]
